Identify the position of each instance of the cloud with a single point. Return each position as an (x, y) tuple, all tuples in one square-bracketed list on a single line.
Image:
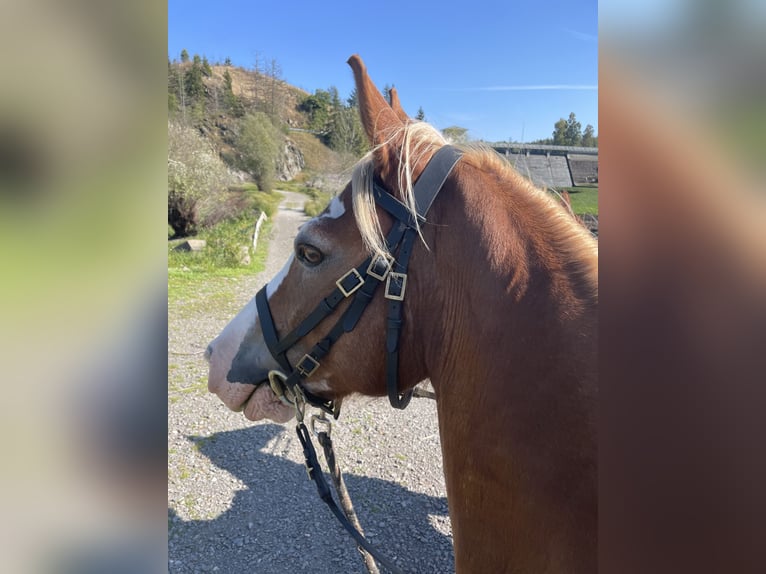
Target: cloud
[(581, 35)]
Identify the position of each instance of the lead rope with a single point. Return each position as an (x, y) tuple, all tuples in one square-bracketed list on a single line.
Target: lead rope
[(314, 471), (325, 440)]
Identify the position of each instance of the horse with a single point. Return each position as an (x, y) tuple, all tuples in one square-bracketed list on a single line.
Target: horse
[(500, 312)]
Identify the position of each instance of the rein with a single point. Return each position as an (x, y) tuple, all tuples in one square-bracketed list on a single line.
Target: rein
[(361, 282)]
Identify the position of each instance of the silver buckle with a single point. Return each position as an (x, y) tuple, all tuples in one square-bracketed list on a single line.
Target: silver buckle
[(359, 283), (320, 420), (401, 279), (307, 371), (387, 259), (277, 383)]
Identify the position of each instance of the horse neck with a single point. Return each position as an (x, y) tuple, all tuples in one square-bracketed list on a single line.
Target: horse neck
[(512, 355)]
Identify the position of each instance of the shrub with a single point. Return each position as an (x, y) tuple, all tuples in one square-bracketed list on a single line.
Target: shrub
[(227, 242), (258, 146), (196, 179), (319, 200)]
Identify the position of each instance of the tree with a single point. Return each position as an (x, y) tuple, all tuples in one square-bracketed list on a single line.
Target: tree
[(231, 101), (573, 131), (317, 107), (195, 87), (274, 73), (421, 115), (560, 132), (387, 93), (567, 132), (172, 88), (353, 100), (456, 134), (184, 56), (206, 69), (227, 61), (346, 133), (588, 137), (258, 146)]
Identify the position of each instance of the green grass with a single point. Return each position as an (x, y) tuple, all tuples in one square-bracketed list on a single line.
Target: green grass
[(317, 203), (197, 281), (584, 199), (259, 200)]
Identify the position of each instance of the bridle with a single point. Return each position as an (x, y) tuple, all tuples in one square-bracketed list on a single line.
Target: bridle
[(361, 282)]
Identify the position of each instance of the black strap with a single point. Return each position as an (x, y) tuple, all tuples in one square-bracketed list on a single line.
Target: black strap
[(433, 177), (269, 329), (315, 473), (394, 323), (426, 188)]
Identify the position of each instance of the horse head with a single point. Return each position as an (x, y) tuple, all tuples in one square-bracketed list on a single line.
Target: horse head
[(328, 251)]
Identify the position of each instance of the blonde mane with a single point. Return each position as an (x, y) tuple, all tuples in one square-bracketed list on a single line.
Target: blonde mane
[(419, 140)]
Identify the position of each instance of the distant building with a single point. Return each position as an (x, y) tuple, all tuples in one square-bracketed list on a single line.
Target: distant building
[(552, 165)]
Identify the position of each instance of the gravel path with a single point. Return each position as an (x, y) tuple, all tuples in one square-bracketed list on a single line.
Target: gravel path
[(238, 497)]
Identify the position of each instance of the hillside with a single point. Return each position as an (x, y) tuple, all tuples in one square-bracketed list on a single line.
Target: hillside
[(228, 125)]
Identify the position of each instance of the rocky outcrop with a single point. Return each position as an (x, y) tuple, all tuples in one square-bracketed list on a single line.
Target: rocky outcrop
[(290, 161)]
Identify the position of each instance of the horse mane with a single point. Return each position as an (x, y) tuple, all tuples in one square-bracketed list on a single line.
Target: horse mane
[(421, 140)]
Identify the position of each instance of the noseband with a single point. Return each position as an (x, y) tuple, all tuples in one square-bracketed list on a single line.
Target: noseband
[(361, 283)]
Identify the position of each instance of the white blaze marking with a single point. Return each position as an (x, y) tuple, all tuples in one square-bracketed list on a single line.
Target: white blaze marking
[(234, 333), (336, 209), (278, 278)]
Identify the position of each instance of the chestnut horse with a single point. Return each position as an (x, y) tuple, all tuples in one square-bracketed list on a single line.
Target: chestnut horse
[(500, 313)]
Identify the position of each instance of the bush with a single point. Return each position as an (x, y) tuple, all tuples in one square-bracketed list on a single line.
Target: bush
[(228, 242), (258, 146), (196, 179)]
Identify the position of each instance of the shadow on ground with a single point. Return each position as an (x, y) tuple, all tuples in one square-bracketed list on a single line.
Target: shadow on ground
[(278, 524)]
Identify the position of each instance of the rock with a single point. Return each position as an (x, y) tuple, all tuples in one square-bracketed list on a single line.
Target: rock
[(191, 245), (244, 255), (290, 161)]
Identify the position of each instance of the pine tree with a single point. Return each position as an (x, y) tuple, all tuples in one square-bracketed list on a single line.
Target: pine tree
[(206, 69)]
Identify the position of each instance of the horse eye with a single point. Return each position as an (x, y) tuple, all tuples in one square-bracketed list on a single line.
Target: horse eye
[(309, 255)]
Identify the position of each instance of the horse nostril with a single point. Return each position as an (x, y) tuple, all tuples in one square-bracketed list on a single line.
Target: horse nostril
[(208, 353)]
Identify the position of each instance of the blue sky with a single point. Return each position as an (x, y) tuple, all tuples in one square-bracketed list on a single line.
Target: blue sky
[(503, 70)]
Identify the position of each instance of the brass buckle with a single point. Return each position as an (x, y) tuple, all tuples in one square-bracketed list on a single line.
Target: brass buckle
[(359, 283), (400, 279), (307, 370), (387, 259)]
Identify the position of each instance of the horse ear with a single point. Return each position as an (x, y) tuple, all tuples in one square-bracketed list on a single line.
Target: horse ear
[(397, 106), (378, 118)]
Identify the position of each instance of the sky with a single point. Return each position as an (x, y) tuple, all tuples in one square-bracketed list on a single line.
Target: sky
[(503, 70)]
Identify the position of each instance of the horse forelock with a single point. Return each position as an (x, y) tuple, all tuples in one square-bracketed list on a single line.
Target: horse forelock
[(414, 144)]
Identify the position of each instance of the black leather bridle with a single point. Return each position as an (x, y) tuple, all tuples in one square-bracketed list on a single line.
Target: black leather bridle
[(361, 282)]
